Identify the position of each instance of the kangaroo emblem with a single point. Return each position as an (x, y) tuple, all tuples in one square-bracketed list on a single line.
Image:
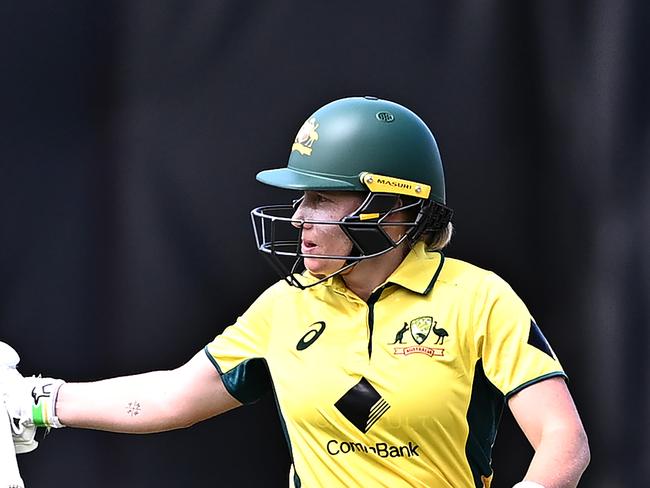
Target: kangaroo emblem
[(306, 137), (400, 335)]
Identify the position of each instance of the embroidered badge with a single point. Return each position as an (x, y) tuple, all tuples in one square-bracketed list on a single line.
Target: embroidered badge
[(420, 329), (306, 137)]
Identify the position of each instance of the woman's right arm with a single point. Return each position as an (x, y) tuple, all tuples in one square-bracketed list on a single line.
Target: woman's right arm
[(148, 402)]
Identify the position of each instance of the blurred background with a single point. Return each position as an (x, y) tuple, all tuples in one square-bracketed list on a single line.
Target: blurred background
[(131, 133)]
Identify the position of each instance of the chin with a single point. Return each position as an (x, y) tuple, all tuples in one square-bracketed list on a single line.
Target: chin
[(322, 267)]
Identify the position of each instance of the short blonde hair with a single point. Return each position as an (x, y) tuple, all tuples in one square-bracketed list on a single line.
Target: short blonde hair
[(438, 240)]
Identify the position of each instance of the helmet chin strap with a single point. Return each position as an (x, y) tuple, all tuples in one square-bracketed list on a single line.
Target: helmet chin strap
[(292, 277)]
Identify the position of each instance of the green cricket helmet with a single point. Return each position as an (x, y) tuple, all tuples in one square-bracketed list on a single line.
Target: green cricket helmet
[(360, 144)]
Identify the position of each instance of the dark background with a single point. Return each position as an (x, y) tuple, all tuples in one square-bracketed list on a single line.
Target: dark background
[(131, 133)]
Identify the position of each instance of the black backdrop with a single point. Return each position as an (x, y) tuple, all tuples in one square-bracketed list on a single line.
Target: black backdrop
[(130, 136)]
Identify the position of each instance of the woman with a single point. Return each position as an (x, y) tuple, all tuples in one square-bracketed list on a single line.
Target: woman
[(390, 363)]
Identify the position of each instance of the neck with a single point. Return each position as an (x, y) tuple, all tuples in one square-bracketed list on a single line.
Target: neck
[(368, 274)]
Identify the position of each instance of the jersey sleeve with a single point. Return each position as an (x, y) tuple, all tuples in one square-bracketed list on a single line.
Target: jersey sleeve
[(239, 352), (512, 348)]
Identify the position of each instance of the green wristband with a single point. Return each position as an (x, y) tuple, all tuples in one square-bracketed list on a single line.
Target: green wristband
[(44, 395)]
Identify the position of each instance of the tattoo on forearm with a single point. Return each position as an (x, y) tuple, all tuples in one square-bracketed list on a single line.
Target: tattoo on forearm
[(133, 408)]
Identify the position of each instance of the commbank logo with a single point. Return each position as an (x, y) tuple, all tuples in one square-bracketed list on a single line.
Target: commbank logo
[(362, 405), (380, 449), (315, 331)]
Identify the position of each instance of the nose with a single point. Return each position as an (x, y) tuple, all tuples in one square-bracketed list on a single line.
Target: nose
[(298, 218)]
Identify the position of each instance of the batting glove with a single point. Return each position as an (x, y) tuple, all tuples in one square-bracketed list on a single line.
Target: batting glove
[(31, 402), (22, 436)]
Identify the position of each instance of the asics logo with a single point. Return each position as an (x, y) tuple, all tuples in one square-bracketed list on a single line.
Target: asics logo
[(315, 331)]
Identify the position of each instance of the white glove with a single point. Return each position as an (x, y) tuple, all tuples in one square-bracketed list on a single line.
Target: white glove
[(22, 436), (30, 402)]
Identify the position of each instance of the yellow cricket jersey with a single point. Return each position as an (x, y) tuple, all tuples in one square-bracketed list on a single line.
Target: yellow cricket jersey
[(405, 390)]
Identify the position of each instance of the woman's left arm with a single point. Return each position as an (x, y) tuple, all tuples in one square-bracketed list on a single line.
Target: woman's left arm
[(548, 417)]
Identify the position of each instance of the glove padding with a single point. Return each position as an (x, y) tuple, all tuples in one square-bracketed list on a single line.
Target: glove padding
[(23, 436)]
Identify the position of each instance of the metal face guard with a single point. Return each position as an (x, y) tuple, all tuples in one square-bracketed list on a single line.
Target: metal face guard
[(279, 237)]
